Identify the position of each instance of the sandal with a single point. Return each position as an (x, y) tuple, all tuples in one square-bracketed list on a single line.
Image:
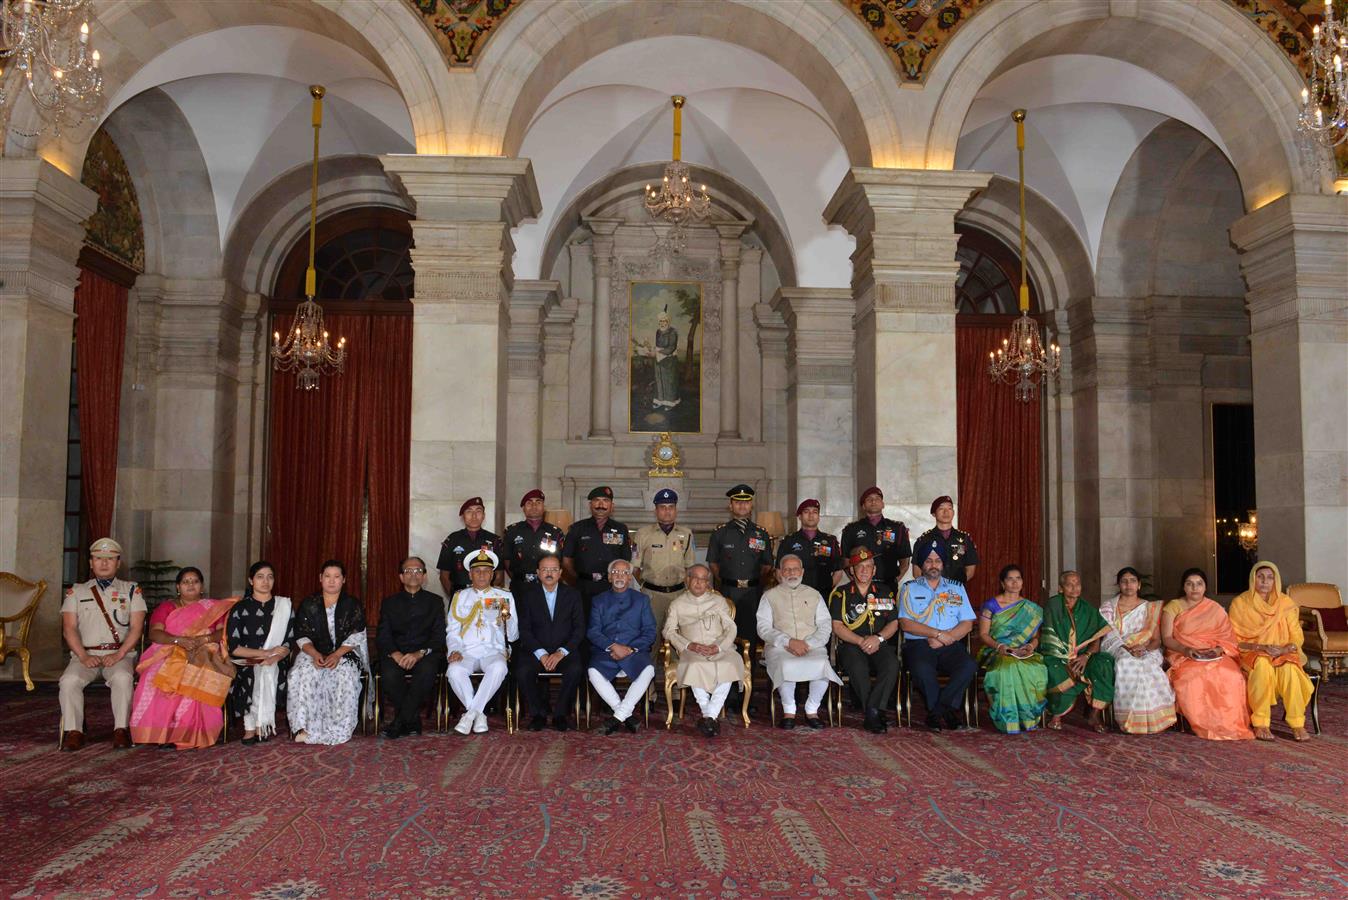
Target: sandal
[(1099, 727), (1055, 723)]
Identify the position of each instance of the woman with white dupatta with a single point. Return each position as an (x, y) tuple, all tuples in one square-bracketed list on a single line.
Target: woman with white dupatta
[(259, 633), (332, 665)]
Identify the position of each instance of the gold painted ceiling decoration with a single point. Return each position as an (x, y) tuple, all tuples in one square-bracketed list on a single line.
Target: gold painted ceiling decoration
[(115, 227), (461, 27), (913, 31)]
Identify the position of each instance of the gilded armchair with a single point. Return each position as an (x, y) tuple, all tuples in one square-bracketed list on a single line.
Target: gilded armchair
[(13, 592), (670, 660), (1324, 624)]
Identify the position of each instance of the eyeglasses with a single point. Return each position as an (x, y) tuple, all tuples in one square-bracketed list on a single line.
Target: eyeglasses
[(552, 569), (414, 571)]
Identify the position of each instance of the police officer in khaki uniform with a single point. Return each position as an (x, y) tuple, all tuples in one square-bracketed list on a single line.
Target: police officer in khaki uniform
[(661, 555), (101, 620)]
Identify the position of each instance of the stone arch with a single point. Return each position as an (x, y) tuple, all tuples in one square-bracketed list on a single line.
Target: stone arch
[(1241, 81), (822, 44)]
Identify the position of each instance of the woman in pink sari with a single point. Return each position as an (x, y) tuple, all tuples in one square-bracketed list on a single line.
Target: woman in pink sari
[(184, 677), (1201, 648)]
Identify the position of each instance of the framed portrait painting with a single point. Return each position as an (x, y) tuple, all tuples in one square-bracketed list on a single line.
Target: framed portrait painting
[(665, 356)]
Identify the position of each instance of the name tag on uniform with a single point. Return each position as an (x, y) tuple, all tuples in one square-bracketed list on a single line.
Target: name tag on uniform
[(612, 538), (547, 545), (757, 544), (888, 536)]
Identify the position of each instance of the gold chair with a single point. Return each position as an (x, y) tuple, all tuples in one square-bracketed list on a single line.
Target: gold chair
[(670, 660), (13, 592), (905, 690), (589, 700), (1324, 624), (550, 676)]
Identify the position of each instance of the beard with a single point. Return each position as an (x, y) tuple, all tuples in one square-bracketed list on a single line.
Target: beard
[(793, 582)]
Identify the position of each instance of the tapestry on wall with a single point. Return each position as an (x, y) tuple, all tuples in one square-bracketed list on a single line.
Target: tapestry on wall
[(115, 228), (461, 27), (665, 356)]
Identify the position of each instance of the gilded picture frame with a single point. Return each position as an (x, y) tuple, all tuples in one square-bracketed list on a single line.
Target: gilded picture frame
[(664, 388)]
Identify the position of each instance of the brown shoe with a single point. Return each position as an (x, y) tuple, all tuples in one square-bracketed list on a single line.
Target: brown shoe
[(121, 739), (72, 740)]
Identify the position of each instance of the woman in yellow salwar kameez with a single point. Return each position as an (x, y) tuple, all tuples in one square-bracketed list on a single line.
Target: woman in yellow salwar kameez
[(1268, 631)]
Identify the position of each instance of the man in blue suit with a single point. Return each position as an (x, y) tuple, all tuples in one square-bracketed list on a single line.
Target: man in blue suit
[(552, 629), (622, 630)]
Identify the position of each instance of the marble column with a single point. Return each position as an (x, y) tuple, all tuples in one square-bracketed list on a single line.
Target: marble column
[(752, 377), (729, 234), (819, 399), (601, 380), (530, 303), (42, 211), (465, 208), (903, 285), (1294, 256)]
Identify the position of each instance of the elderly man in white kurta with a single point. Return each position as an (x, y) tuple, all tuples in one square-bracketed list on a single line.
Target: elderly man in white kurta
[(700, 627), (480, 624), (794, 623)]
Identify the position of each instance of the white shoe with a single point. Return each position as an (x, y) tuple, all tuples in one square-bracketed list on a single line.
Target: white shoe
[(480, 724), (465, 722)]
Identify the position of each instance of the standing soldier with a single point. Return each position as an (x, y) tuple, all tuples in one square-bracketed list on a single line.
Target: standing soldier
[(961, 556), (661, 555), (885, 538), (593, 543), (819, 551), (526, 543), (740, 556), (101, 620), (463, 544)]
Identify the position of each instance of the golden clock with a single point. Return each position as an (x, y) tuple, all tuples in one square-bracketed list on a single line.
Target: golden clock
[(665, 457)]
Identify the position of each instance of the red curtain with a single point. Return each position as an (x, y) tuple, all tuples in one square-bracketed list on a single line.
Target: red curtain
[(1000, 474), (100, 339), (333, 448)]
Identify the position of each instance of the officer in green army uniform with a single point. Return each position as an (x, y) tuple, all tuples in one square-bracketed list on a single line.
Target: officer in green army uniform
[(740, 556)]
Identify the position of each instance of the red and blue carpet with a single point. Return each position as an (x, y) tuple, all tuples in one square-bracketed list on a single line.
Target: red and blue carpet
[(757, 813)]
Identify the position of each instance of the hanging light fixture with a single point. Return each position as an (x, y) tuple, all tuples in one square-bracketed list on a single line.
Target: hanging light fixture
[(48, 42), (676, 199), (1023, 360), (305, 349), (1324, 101)]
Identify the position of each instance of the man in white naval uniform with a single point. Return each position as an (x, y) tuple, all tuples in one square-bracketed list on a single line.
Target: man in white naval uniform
[(481, 624), (795, 625)]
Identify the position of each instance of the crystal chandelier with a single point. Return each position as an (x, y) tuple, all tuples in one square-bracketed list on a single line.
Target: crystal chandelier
[(1023, 360), (676, 200), (305, 349), (1324, 102), (48, 42)]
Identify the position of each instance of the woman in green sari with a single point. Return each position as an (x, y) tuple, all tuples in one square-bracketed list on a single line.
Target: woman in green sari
[(1015, 677), (1070, 644)]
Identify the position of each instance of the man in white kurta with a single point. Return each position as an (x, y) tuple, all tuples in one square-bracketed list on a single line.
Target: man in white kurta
[(480, 625), (700, 627), (794, 623)]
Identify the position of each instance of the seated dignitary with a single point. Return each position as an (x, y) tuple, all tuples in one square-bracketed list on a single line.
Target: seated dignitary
[(552, 629), (1268, 631), (101, 620), (1015, 678), (1070, 644), (865, 619), (621, 633), (699, 626), (1201, 650), (259, 632), (795, 626), (412, 640), (935, 616), (323, 706), (482, 621)]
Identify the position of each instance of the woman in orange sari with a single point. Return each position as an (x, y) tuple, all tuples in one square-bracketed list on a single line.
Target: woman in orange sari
[(1201, 649), (1267, 625), (184, 677)]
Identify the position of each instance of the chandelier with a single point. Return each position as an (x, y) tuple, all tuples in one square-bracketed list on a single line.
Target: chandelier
[(48, 42), (1324, 102), (305, 349), (676, 200), (1023, 360)]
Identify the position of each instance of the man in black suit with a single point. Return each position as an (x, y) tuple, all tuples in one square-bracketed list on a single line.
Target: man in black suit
[(552, 629), (411, 640)]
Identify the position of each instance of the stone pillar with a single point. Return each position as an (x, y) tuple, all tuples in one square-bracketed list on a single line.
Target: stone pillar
[(903, 284), (1294, 256), (42, 213), (730, 327), (819, 399), (752, 377), (601, 380), (530, 303), (771, 333), (465, 208)]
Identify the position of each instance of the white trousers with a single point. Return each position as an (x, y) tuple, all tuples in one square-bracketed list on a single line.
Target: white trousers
[(493, 669), (711, 702), (787, 694), (622, 706)]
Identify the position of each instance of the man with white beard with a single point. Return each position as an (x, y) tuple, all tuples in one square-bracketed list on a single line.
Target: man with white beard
[(794, 623)]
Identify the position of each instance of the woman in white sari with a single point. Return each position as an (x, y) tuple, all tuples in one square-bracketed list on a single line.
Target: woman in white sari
[(332, 665), (1144, 702), (259, 632)]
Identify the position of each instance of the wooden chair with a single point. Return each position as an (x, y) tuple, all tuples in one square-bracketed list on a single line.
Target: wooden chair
[(1324, 622), (16, 591), (439, 702), (589, 700), (670, 660), (551, 676), (772, 691), (503, 694), (970, 695)]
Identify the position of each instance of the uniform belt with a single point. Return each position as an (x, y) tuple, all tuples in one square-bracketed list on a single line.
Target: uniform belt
[(105, 647), (663, 588), (743, 582)]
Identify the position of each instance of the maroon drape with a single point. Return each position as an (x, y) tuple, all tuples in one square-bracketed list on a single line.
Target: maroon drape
[(999, 463), (330, 448), (100, 339)]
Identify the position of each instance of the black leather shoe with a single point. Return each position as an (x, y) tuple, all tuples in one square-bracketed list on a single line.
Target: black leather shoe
[(788, 722), (412, 730), (611, 725), (934, 723), (707, 726), (559, 723), (251, 742), (392, 731), (538, 723), (952, 722), (814, 722), (632, 725)]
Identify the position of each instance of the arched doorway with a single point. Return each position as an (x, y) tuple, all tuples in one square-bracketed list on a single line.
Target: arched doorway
[(338, 458), (999, 439)]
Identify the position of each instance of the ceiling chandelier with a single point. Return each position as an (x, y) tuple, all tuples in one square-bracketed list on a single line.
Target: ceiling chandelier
[(676, 199), (1324, 101), (47, 41), (1023, 360), (305, 349)]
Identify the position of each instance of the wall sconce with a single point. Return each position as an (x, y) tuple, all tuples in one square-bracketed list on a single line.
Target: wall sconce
[(1248, 532)]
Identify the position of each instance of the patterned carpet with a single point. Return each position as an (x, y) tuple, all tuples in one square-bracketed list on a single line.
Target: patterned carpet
[(757, 813)]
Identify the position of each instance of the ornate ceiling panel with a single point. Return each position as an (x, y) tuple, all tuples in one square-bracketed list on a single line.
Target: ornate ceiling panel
[(913, 31), (462, 27)]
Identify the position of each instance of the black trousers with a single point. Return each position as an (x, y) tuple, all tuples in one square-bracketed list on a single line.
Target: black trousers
[(407, 691), (535, 689), (926, 664), (746, 612), (859, 666)]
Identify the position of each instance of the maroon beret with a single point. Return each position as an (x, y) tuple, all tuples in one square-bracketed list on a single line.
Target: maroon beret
[(471, 502), (938, 501), (535, 494), (871, 490), (807, 504)]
